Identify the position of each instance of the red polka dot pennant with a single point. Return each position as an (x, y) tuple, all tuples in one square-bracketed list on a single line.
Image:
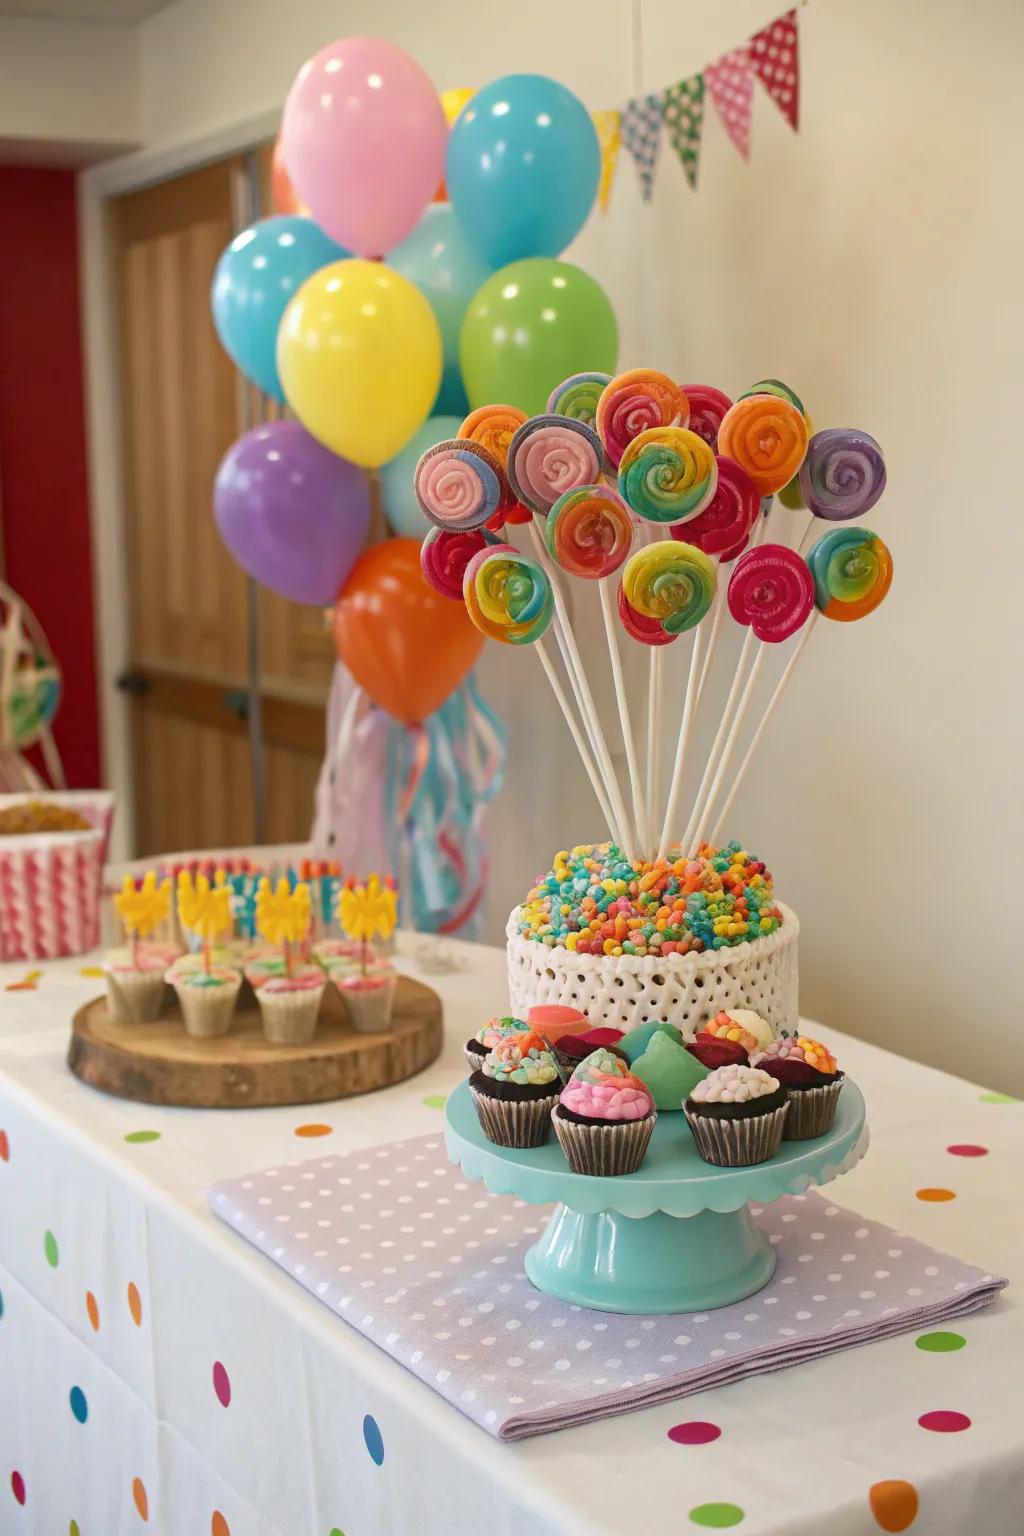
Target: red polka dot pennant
[(731, 87), (775, 60)]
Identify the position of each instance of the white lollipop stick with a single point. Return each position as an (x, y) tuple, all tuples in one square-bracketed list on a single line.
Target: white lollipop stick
[(682, 741), (610, 618), (716, 625), (741, 710), (806, 540), (654, 694), (574, 731), (780, 688), (723, 726)]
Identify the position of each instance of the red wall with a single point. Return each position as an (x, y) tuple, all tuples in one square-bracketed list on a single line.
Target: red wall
[(44, 506)]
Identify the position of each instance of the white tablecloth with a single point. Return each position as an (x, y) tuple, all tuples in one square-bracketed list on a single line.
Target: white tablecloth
[(157, 1374)]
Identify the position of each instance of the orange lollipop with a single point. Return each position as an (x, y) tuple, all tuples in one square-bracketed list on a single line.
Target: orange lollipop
[(493, 427), (766, 436)]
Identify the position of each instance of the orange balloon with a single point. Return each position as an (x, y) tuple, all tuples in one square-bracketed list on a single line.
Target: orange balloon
[(404, 643), (281, 190)]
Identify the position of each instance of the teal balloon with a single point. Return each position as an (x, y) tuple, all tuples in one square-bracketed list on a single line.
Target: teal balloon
[(443, 264), (255, 279), (396, 478)]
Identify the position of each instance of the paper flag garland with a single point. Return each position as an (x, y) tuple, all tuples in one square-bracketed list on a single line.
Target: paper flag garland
[(609, 136), (731, 87), (775, 60), (682, 108), (641, 135)]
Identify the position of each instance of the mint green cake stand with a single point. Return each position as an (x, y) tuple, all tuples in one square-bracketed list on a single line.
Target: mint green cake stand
[(677, 1235)]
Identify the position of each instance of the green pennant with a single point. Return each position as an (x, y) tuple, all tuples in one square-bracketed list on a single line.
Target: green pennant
[(682, 108)]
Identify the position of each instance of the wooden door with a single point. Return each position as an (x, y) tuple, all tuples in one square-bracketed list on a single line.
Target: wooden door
[(183, 406)]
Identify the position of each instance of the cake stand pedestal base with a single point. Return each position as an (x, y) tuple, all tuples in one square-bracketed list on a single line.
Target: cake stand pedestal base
[(656, 1263)]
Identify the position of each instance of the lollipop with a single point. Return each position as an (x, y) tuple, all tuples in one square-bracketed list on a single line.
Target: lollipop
[(668, 475), (508, 595), (550, 455), (843, 474), (459, 485), (723, 527), (633, 403), (444, 557), (852, 571), (772, 590), (589, 532), (671, 582), (577, 396), (767, 437), (707, 407), (492, 427), (778, 389), (647, 631)]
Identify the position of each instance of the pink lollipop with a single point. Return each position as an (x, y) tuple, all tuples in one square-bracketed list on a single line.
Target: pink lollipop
[(550, 455), (459, 485), (723, 527), (444, 557), (772, 590), (647, 631), (707, 407), (634, 402)]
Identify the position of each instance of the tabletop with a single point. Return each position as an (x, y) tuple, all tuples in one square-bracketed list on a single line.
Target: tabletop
[(161, 1375)]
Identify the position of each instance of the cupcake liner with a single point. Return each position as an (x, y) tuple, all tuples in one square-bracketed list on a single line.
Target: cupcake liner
[(473, 1060), (208, 1011), (811, 1111), (135, 997), (604, 1150), (369, 1008), (289, 1018), (514, 1122), (737, 1143)]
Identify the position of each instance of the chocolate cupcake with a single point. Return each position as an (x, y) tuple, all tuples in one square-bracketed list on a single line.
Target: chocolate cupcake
[(809, 1072), (605, 1117), (514, 1091), (478, 1046), (737, 1115)]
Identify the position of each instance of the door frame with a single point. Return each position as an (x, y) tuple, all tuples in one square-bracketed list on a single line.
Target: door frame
[(96, 188)]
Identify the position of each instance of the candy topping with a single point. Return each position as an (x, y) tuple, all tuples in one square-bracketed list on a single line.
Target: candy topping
[(734, 1085), (603, 1088), (497, 1030), (802, 1049), (521, 1059), (744, 1025)]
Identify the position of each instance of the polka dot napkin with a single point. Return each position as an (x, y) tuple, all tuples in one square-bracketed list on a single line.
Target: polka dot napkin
[(429, 1267)]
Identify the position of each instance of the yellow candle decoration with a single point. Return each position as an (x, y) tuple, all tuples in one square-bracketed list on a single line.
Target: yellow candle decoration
[(204, 909), (283, 916), (368, 911), (143, 909)]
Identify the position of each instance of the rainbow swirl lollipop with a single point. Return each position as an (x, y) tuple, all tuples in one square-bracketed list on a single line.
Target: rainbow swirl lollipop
[(778, 389), (671, 582), (843, 474), (577, 396), (707, 407), (634, 402), (508, 595), (647, 631), (668, 475), (852, 571), (589, 532), (766, 436), (493, 427), (723, 527), (444, 557), (459, 485), (772, 590), (550, 455)]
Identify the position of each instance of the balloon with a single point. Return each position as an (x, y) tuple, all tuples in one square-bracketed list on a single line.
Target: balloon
[(404, 643), (292, 514), (364, 137), (530, 325), (452, 103), (359, 356), (522, 169), (282, 193), (255, 278), (439, 259), (396, 479)]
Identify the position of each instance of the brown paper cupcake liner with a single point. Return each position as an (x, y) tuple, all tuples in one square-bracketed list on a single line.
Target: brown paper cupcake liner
[(737, 1143), (289, 1018), (811, 1111), (208, 1011), (604, 1150), (514, 1122), (135, 997)]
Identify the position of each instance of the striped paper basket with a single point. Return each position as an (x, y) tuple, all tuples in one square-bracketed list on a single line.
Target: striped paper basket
[(50, 881)]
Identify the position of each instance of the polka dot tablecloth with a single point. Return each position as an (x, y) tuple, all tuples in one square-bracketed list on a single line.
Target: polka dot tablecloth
[(160, 1375)]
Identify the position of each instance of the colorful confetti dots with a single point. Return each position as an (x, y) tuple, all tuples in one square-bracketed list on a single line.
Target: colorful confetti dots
[(221, 1384), (92, 1310), (998, 1098), (79, 1406), (5, 1147), (374, 1440), (936, 1196), (718, 1516), (313, 1130), (435, 1100), (137, 1138), (135, 1303), (140, 1498), (944, 1421), (940, 1343), (18, 1487), (218, 1525), (967, 1149), (51, 1250), (696, 1432), (893, 1504)]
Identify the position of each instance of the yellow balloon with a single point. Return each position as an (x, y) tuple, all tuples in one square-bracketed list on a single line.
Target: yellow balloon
[(453, 101), (359, 357)]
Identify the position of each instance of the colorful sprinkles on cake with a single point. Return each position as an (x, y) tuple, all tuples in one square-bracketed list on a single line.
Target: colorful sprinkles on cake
[(594, 901)]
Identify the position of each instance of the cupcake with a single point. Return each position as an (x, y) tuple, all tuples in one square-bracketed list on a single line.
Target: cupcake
[(207, 998), (289, 1005), (736, 1115), (604, 1117), (743, 1026), (192, 963), (514, 1091), (368, 998), (809, 1072), (263, 963), (135, 982), (326, 952), (478, 1046)]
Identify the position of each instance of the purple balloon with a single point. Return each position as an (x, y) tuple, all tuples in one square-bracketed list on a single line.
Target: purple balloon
[(292, 513)]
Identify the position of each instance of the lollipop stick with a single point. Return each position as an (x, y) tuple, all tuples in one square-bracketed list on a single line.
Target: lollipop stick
[(741, 710), (723, 726), (716, 626), (574, 731), (636, 791), (654, 692), (780, 688), (683, 740), (805, 541)]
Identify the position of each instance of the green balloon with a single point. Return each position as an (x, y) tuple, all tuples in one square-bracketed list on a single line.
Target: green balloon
[(530, 326)]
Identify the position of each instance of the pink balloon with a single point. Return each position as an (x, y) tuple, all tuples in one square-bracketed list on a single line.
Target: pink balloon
[(363, 138)]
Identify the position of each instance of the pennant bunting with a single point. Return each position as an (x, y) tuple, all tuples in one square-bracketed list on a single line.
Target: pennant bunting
[(682, 108), (730, 85), (641, 135), (775, 60), (608, 125)]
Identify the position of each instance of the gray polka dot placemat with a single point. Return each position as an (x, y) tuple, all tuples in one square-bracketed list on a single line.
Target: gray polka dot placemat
[(430, 1267)]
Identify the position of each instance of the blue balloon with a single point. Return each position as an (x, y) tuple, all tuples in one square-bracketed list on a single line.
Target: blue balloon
[(400, 505), (522, 168), (255, 278), (447, 270)]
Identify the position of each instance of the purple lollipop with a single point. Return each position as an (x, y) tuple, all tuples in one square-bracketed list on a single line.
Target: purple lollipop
[(843, 474)]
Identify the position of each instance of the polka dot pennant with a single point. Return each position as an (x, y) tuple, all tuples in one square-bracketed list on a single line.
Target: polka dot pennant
[(696, 1432), (944, 1421), (966, 1149), (140, 1498), (775, 60), (221, 1384), (218, 1525), (374, 1440), (51, 1250), (641, 136), (894, 1504), (435, 1101), (92, 1311), (135, 1303), (717, 1517), (940, 1343), (139, 1138), (5, 1148), (314, 1129), (935, 1196), (683, 111), (731, 87), (18, 1487), (79, 1406)]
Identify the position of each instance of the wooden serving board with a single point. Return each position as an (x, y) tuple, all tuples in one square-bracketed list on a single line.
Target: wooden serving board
[(159, 1063)]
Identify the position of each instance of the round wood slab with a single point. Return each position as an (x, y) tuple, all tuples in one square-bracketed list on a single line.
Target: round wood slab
[(160, 1064)]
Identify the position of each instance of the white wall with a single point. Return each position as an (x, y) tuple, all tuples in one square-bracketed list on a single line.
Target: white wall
[(67, 84), (873, 262)]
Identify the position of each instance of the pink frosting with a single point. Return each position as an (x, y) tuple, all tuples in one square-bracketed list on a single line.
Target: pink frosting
[(611, 1098), (301, 981), (553, 1020)]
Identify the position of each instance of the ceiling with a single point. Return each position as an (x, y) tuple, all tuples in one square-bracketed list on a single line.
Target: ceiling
[(125, 12)]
